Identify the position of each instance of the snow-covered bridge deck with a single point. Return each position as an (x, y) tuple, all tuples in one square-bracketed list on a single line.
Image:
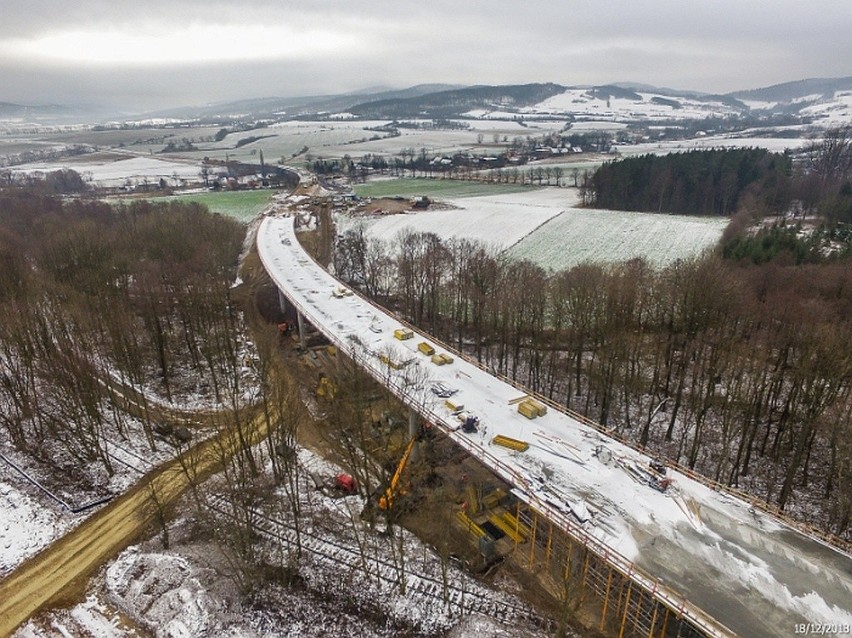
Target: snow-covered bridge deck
[(730, 569)]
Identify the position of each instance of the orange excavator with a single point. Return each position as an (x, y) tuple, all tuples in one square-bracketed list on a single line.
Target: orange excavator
[(394, 490)]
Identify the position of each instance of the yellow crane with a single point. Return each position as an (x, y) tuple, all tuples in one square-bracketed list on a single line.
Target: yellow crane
[(386, 499)]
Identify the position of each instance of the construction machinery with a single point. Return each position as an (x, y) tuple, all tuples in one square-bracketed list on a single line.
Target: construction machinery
[(393, 490), (469, 423), (342, 484), (345, 483), (325, 387)]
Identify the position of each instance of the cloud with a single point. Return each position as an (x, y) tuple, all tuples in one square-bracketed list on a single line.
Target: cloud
[(190, 51), (186, 45)]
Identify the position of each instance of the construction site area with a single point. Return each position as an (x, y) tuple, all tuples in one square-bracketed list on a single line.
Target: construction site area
[(630, 545), (434, 488)]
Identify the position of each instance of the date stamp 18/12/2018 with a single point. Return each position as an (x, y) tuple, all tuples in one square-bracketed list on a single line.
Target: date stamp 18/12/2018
[(823, 629)]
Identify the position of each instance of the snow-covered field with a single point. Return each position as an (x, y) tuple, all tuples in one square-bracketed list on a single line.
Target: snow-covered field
[(545, 227), (496, 220), (582, 102), (606, 236), (117, 173), (834, 112), (772, 144)]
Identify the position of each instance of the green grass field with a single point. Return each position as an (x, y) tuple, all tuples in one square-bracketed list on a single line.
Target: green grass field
[(439, 188), (242, 205)]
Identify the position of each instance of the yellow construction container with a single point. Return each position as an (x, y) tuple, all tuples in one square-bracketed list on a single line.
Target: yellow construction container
[(426, 348), (390, 362), (526, 408), (441, 359), (539, 406), (403, 333), (512, 444), (453, 405)]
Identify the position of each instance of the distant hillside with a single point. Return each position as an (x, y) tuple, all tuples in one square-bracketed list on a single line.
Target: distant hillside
[(9, 110), (616, 102), (789, 92), (295, 106), (823, 102), (729, 99), (457, 101)]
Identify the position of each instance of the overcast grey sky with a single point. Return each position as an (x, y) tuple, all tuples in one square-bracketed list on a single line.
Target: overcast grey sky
[(154, 53)]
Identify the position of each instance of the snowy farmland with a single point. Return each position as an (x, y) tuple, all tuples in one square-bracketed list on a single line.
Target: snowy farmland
[(581, 235), (771, 144), (584, 102), (118, 173), (496, 220), (545, 227)]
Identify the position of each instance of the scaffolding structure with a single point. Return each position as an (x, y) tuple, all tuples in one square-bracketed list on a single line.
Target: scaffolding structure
[(573, 571)]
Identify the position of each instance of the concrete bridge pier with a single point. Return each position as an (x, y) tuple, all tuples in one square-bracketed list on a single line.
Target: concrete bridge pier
[(282, 302), (301, 322)]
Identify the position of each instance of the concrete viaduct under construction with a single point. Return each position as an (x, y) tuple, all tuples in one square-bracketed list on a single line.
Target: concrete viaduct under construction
[(668, 553)]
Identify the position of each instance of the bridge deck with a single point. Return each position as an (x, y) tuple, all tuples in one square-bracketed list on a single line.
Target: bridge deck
[(733, 570)]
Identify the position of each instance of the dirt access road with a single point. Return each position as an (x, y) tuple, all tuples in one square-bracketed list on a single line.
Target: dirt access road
[(59, 573)]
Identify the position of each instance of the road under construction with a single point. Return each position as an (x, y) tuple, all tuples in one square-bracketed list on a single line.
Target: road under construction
[(669, 553)]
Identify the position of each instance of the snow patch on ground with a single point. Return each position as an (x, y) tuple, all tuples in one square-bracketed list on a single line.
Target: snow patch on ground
[(161, 592), (26, 525), (90, 618)]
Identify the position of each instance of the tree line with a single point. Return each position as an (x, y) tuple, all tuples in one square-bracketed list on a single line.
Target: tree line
[(814, 181), (742, 373), (706, 182)]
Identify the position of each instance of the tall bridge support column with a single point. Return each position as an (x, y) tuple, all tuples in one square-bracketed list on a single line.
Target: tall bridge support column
[(301, 321), (413, 430), (282, 302)]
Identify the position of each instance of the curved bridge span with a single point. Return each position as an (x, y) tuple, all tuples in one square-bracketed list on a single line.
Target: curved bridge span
[(699, 561)]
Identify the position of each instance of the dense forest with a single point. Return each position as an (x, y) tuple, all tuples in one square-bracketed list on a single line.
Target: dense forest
[(814, 181), (743, 373), (707, 182), (94, 297)]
